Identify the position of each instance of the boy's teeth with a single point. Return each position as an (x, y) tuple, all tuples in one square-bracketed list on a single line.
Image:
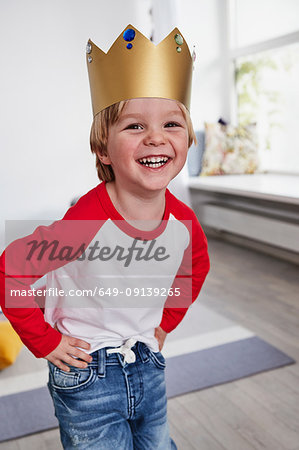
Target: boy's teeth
[(154, 164), (154, 161)]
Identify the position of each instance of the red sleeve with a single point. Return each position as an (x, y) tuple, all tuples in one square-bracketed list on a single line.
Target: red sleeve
[(18, 273), (188, 283)]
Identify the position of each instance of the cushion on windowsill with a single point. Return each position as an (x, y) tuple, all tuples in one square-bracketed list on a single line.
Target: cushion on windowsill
[(230, 150), (10, 345)]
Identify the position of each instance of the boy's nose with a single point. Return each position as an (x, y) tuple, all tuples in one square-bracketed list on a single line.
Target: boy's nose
[(154, 138)]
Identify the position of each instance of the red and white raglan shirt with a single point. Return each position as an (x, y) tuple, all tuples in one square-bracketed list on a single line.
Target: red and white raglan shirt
[(107, 281)]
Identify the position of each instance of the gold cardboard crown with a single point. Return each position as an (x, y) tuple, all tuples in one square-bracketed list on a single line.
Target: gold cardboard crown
[(135, 67)]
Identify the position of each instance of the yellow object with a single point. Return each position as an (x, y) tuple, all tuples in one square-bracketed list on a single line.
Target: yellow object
[(135, 67), (10, 345)]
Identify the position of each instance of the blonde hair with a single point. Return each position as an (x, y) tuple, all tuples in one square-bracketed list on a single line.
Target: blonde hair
[(100, 130)]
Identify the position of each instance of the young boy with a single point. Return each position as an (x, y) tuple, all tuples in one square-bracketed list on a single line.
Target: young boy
[(125, 262)]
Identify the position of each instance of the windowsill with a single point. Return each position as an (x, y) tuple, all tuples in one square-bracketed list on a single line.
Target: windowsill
[(268, 186)]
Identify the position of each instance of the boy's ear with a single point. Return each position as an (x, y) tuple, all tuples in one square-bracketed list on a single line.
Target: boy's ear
[(104, 159)]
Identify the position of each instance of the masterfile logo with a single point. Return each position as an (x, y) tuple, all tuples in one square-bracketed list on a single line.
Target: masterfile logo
[(107, 264)]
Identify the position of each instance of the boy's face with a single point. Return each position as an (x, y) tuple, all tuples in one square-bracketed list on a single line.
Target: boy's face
[(147, 147)]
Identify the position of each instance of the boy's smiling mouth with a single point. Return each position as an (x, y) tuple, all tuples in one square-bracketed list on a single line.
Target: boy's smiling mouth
[(154, 162)]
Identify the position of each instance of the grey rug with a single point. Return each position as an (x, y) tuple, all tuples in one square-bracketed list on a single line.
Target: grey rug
[(26, 413), (32, 411), (221, 364)]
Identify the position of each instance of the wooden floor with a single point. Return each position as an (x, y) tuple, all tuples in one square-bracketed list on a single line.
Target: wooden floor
[(259, 412)]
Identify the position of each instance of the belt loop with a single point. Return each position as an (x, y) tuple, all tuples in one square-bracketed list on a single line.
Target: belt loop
[(102, 363)]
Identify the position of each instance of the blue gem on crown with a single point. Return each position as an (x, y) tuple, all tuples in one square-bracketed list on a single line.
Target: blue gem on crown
[(129, 35)]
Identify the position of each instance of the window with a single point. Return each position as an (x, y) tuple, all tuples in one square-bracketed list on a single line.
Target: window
[(266, 68), (261, 20)]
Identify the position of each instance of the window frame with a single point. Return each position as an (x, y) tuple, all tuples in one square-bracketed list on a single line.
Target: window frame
[(235, 52)]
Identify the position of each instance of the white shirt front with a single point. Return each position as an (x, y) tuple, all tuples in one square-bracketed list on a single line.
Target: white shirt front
[(112, 293)]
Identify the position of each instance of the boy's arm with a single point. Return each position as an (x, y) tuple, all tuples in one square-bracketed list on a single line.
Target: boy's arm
[(19, 270), (41, 339), (160, 335), (196, 254), (28, 320)]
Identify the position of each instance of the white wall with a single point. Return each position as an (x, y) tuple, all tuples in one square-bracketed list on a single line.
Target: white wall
[(45, 109)]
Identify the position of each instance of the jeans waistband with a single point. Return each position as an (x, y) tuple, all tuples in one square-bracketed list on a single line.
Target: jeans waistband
[(101, 358)]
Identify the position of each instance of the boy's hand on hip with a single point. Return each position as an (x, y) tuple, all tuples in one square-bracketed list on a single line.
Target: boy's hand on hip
[(160, 335), (67, 352)]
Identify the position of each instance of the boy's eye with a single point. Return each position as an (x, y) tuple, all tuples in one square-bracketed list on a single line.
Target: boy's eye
[(134, 126), (172, 124)]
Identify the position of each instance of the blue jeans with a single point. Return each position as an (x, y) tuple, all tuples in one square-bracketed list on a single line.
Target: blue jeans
[(113, 404)]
